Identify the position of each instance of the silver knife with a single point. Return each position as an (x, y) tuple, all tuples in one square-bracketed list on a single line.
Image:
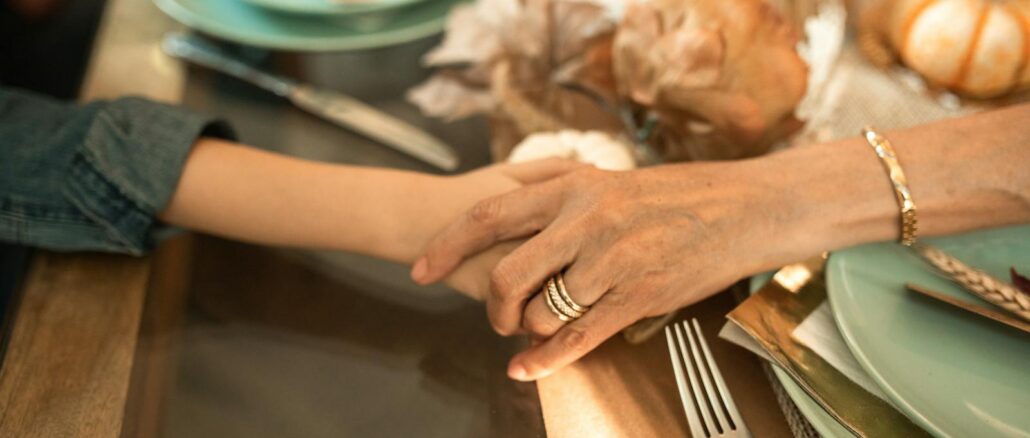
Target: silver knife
[(343, 110)]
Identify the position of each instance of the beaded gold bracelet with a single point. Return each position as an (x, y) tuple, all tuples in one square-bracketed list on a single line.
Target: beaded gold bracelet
[(885, 151)]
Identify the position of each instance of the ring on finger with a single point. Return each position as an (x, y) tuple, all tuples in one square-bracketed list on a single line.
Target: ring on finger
[(560, 280), (554, 309), (557, 304)]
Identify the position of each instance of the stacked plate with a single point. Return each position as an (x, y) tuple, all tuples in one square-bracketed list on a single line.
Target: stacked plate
[(951, 372), (313, 25)]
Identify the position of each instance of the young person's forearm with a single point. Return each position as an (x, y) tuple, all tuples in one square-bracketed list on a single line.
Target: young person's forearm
[(252, 195), (964, 174)]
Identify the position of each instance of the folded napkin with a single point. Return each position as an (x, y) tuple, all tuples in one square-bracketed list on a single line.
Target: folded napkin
[(819, 332), (772, 322)]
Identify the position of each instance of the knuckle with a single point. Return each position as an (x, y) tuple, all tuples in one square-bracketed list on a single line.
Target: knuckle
[(573, 339), (591, 222), (617, 254), (437, 250), (580, 178), (618, 299), (604, 216), (495, 315), (590, 172), (612, 214), (502, 282), (485, 212)]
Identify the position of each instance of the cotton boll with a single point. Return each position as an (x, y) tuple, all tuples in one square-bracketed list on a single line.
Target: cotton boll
[(592, 147), (539, 146)]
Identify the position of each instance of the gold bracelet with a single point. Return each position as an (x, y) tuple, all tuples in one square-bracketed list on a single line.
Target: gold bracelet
[(885, 151)]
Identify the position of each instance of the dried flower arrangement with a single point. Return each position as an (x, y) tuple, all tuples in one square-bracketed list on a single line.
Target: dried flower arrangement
[(698, 79)]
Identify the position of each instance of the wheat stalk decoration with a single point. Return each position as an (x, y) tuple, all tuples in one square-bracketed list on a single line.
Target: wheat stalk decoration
[(978, 282)]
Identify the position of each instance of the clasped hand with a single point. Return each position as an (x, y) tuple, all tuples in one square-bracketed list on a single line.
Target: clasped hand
[(631, 245)]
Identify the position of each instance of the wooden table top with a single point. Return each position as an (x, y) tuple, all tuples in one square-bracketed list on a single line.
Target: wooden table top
[(74, 349), (623, 390), (72, 345)]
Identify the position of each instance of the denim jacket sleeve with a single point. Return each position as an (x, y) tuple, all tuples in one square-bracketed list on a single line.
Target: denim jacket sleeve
[(93, 176)]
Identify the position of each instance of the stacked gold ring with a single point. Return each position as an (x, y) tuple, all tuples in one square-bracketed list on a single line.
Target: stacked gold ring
[(559, 301)]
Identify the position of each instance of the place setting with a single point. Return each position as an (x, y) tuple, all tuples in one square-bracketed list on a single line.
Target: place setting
[(239, 38), (313, 25), (920, 337), (880, 341)]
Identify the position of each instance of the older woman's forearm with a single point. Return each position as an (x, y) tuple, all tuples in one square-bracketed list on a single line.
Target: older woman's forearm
[(642, 243), (964, 174)]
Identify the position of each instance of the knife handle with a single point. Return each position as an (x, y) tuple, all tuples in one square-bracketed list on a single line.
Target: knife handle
[(197, 50)]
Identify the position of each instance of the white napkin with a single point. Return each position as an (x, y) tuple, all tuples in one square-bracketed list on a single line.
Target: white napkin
[(820, 334), (733, 333)]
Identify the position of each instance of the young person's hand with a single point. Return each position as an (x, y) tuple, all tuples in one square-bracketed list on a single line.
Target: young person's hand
[(472, 276), (252, 195)]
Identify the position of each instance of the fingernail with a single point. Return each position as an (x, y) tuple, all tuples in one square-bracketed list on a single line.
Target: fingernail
[(418, 272), (517, 372)]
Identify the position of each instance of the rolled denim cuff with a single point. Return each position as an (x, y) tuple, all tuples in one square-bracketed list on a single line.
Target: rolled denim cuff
[(128, 166)]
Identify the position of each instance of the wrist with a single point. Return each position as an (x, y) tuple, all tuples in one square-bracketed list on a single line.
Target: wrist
[(830, 196), (433, 202)]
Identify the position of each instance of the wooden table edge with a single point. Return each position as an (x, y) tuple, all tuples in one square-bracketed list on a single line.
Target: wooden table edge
[(73, 340)]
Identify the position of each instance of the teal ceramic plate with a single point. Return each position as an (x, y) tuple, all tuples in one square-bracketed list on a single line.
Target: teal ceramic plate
[(237, 21), (954, 373), (822, 421), (329, 7)]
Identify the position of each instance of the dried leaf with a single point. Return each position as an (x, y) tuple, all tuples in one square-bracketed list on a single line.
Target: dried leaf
[(546, 45), (731, 64), (447, 98), (722, 76), (578, 24), (468, 40)]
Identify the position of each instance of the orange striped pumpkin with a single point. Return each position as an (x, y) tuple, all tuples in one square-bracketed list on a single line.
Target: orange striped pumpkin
[(979, 48)]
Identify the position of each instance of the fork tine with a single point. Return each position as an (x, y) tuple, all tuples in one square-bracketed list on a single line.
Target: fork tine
[(681, 381), (695, 387), (703, 365), (720, 383)]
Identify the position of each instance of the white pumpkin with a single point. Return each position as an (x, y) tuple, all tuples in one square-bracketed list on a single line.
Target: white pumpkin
[(591, 147), (978, 48)]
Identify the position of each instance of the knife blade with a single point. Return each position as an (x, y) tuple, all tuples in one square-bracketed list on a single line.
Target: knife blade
[(337, 108)]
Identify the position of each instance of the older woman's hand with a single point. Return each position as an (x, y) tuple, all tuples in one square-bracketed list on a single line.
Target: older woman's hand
[(632, 245), (641, 243)]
